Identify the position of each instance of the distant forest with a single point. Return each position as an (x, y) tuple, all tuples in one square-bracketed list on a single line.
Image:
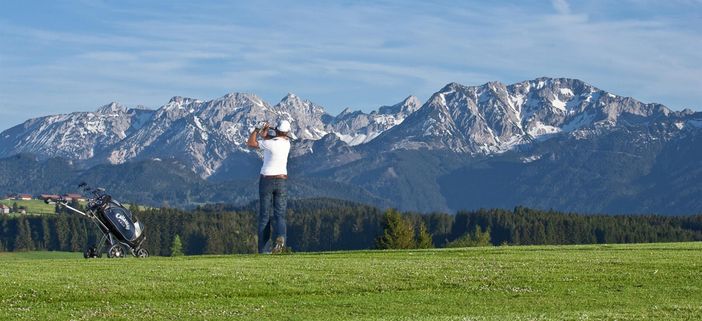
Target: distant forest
[(331, 225)]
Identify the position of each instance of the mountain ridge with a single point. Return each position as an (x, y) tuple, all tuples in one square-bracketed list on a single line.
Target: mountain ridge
[(411, 155)]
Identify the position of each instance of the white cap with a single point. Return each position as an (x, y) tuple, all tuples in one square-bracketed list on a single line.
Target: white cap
[(283, 126)]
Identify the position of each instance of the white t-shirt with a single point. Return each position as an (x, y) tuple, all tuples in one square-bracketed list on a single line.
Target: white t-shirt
[(275, 156)]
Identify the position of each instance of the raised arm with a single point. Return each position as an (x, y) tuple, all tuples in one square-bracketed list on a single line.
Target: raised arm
[(253, 142)]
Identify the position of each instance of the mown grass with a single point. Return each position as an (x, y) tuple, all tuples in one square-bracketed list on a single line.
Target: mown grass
[(610, 282), (39, 255)]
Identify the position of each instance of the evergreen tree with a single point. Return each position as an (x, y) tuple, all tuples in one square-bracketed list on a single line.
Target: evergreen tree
[(154, 241), (63, 233), (215, 242), (424, 238), (324, 224), (516, 239), (477, 238), (4, 233), (46, 233), (177, 246), (398, 232), (76, 237), (23, 241), (482, 238), (15, 209)]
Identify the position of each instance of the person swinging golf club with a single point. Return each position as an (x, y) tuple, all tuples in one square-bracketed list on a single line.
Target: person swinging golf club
[(272, 190)]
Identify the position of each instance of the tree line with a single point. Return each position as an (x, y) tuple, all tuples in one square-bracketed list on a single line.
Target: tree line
[(327, 225)]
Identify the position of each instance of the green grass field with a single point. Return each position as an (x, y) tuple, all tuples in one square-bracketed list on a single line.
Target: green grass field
[(32, 206), (611, 282)]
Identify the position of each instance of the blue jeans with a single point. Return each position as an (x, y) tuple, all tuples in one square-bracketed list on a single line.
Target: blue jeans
[(271, 191)]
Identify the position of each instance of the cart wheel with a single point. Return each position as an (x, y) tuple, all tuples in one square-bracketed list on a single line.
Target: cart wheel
[(91, 252), (116, 251), (142, 253)]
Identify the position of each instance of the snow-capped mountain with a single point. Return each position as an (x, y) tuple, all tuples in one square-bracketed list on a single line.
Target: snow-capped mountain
[(494, 118), (553, 143), (487, 119), (309, 118), (357, 127), (76, 135), (200, 133)]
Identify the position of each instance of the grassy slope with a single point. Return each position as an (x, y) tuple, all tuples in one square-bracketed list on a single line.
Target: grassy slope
[(32, 206), (622, 282)]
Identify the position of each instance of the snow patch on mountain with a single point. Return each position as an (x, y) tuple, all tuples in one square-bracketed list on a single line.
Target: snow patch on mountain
[(566, 92), (558, 104), (538, 129), (530, 159), (487, 119), (578, 121)]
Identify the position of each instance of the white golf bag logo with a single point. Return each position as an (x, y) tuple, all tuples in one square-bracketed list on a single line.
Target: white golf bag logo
[(123, 221)]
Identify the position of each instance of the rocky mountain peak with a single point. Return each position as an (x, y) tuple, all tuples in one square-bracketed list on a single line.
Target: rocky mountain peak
[(291, 97), (307, 118), (486, 119), (347, 111), (111, 108), (452, 86), (494, 86), (241, 96), (357, 127), (180, 100), (405, 107), (293, 103), (494, 117)]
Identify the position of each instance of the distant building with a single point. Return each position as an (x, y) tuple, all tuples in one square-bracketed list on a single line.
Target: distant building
[(51, 197), (25, 197), (74, 197), (4, 209)]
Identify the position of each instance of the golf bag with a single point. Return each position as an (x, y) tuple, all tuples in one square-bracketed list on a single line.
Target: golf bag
[(121, 231)]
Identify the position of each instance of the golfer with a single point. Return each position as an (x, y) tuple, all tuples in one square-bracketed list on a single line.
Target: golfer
[(272, 189)]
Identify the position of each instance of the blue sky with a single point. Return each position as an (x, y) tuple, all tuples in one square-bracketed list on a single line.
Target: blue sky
[(64, 56)]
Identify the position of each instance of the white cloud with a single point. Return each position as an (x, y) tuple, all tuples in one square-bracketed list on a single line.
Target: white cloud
[(561, 6)]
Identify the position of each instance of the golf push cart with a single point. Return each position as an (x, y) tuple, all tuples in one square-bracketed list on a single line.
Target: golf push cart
[(120, 229)]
